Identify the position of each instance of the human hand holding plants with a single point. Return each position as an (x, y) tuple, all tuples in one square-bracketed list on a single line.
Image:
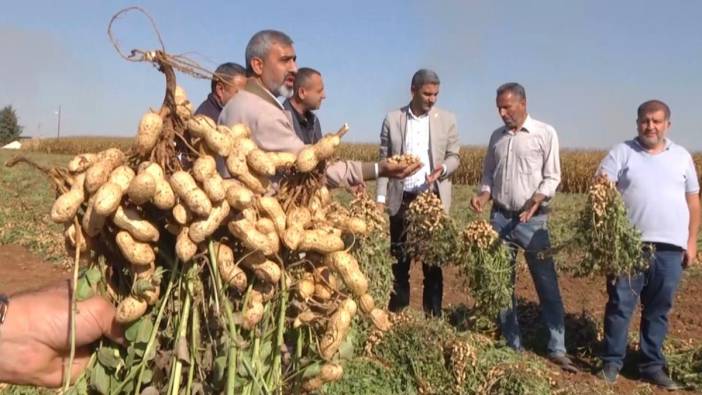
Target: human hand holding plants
[(34, 340)]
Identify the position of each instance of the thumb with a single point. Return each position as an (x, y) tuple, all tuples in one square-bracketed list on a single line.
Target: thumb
[(95, 319)]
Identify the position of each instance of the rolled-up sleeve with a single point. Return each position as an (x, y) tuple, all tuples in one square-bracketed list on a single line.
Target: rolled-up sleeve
[(552, 166)]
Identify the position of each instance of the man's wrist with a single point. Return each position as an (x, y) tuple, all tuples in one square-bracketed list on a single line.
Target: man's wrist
[(369, 170)]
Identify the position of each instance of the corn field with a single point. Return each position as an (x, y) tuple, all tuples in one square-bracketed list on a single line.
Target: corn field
[(578, 166)]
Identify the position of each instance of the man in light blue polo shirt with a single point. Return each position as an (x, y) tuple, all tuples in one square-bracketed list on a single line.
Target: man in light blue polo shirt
[(659, 186)]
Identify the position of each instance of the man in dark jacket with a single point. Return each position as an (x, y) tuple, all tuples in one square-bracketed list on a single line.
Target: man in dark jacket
[(308, 93), (228, 79)]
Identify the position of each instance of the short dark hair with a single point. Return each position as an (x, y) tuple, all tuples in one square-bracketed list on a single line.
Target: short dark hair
[(514, 88), (303, 75), (261, 42), (653, 106), (423, 77), (225, 72)]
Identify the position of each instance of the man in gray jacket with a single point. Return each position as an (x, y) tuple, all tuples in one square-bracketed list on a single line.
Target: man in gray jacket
[(429, 133), (271, 66)]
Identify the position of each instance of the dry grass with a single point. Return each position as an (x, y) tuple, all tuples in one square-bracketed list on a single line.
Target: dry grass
[(76, 145)]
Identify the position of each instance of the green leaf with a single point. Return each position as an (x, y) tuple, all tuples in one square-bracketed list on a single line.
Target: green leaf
[(142, 286), (346, 348), (79, 388), (147, 376), (220, 366), (109, 357), (99, 379), (131, 355), (265, 351), (83, 290), (132, 331), (241, 366), (139, 349), (145, 329), (312, 370), (93, 275)]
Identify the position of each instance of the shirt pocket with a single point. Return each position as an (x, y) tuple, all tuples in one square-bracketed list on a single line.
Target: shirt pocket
[(529, 158)]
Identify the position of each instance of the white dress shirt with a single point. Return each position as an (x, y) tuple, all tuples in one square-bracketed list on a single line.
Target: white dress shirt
[(522, 163), (417, 143)]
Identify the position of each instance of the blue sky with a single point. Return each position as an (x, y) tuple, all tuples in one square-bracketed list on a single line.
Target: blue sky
[(586, 65)]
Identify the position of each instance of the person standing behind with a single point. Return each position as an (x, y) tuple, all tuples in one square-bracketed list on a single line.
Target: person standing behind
[(429, 133), (308, 93), (228, 79), (659, 186), (520, 174)]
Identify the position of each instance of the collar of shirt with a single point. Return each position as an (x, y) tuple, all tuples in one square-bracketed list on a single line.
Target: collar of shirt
[(213, 99), (306, 119), (412, 116), (668, 143), (253, 86), (528, 126)]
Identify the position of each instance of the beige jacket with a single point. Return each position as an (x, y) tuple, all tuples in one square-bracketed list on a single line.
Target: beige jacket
[(271, 129), (443, 150)]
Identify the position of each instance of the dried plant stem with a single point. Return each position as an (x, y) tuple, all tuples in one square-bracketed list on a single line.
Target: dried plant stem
[(180, 336), (232, 358), (74, 307)]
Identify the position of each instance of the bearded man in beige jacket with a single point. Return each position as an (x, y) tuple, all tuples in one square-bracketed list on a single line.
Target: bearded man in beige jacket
[(271, 67)]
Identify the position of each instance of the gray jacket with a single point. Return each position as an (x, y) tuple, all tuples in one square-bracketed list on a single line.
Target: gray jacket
[(443, 150)]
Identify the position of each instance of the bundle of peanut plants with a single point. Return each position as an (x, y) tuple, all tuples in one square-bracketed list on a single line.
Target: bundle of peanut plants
[(432, 235), (486, 262), (610, 244), (222, 285)]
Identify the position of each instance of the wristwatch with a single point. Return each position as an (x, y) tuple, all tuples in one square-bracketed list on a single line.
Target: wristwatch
[(4, 306)]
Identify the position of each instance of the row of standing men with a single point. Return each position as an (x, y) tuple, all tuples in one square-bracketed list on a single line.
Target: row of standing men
[(520, 175)]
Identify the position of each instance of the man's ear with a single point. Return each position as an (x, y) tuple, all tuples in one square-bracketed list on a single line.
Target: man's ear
[(257, 66), (219, 87)]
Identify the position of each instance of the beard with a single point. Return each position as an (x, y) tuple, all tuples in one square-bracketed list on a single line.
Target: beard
[(284, 91), (650, 141), (276, 89)]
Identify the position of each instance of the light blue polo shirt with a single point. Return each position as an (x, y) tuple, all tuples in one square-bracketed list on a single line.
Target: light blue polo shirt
[(653, 187)]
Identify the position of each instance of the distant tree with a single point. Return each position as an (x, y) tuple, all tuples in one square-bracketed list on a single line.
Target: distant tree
[(10, 130)]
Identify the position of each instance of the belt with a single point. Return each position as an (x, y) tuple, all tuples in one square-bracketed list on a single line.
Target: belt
[(664, 247), (515, 213)]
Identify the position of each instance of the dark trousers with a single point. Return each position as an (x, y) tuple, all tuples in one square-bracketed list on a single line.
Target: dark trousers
[(433, 279), (656, 289)]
